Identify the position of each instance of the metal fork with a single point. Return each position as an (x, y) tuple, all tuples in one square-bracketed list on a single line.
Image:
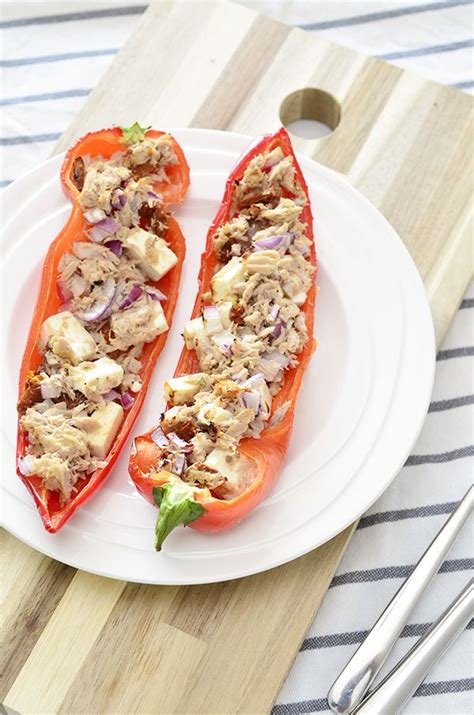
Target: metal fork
[(400, 684), (352, 684)]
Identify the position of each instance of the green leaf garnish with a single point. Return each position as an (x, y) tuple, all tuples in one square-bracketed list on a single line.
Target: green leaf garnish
[(133, 134), (177, 504)]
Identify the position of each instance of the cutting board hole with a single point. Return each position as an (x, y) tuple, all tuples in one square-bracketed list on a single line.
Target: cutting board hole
[(310, 113)]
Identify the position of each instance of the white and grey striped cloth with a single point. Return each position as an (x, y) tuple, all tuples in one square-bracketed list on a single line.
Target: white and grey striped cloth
[(53, 54)]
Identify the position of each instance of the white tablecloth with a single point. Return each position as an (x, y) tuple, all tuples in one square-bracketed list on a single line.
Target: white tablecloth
[(53, 54)]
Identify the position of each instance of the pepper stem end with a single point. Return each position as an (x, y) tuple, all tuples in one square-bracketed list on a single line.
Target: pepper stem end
[(177, 505)]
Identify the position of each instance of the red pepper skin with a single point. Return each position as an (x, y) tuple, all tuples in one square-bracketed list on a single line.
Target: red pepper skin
[(267, 453), (105, 143)]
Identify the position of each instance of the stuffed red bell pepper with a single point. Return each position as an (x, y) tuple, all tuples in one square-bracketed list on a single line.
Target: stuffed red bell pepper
[(108, 291), (221, 442)]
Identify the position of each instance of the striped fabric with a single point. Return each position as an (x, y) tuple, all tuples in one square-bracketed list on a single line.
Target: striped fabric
[(53, 54)]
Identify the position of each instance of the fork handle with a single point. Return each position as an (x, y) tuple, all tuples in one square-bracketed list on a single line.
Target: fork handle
[(400, 684), (354, 681)]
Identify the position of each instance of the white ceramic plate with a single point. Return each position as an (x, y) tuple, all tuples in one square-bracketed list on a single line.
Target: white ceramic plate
[(364, 398)]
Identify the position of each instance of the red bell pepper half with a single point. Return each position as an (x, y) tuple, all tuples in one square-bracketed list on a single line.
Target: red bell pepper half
[(104, 143), (177, 501)]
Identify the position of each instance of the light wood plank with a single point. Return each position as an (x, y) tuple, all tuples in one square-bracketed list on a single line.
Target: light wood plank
[(32, 586), (47, 675), (139, 647)]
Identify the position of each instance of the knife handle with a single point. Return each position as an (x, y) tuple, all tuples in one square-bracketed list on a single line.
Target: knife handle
[(400, 684), (354, 681)]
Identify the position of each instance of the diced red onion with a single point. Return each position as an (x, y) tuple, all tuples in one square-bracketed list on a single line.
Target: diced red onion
[(102, 229), (25, 465), (64, 306), (94, 215), (277, 329), (119, 199), (254, 380), (273, 242), (134, 294), (274, 313), (159, 438), (50, 391), (212, 320), (109, 225), (127, 401), (64, 292), (154, 195), (99, 307), (115, 246), (111, 395), (155, 294), (252, 401), (178, 464)]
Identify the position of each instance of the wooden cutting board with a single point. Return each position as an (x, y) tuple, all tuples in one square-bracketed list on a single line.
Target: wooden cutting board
[(79, 643)]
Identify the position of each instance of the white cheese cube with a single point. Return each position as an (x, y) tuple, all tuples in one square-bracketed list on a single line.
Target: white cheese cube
[(226, 465), (213, 414), (193, 332), (223, 282), (212, 320), (299, 298), (224, 310), (172, 413), (258, 384), (141, 323), (181, 390), (96, 378), (151, 253), (100, 437), (67, 338), (159, 321)]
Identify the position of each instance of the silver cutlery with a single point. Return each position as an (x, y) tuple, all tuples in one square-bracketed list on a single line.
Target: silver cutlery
[(400, 684), (352, 684)]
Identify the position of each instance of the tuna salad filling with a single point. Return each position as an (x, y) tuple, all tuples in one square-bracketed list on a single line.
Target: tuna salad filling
[(90, 371), (251, 329)]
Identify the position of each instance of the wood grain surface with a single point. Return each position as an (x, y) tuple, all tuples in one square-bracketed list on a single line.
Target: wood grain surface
[(77, 643)]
